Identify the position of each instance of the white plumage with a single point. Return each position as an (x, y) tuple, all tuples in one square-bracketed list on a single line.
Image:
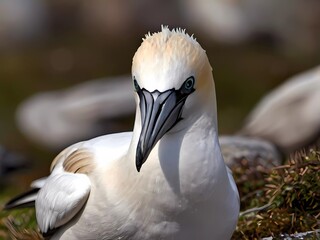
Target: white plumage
[(166, 179), (289, 116)]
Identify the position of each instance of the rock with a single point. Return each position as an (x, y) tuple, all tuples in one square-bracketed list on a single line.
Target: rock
[(256, 151)]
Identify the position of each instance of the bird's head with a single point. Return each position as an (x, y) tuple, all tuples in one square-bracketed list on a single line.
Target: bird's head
[(173, 81)]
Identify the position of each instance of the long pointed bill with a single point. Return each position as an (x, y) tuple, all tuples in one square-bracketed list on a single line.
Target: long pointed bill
[(160, 111)]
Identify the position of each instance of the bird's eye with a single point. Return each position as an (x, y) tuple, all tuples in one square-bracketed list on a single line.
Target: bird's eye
[(136, 85), (189, 83)]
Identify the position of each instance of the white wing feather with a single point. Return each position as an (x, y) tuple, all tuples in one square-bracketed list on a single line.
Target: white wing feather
[(60, 199), (38, 183)]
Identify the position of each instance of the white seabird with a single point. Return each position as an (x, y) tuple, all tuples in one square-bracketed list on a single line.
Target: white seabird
[(166, 179), (288, 116), (56, 119)]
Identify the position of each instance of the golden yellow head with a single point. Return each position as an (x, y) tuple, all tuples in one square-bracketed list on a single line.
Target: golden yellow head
[(167, 58)]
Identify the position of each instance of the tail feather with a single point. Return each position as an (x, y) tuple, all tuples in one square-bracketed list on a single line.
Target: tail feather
[(23, 200)]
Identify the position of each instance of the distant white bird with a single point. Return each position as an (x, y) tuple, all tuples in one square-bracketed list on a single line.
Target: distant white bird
[(58, 118), (289, 116), (97, 188)]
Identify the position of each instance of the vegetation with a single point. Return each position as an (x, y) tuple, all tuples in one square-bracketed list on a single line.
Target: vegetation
[(18, 224), (285, 199)]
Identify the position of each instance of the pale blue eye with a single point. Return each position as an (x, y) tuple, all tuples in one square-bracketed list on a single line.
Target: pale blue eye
[(189, 83)]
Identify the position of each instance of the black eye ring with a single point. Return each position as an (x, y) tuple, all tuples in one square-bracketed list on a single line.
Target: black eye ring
[(136, 85), (189, 83)]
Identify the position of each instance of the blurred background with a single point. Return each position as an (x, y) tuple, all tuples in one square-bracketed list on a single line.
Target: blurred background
[(45, 46)]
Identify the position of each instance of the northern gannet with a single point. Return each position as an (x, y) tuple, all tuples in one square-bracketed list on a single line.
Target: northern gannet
[(166, 179)]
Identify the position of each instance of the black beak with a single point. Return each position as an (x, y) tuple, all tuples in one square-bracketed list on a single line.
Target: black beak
[(160, 111)]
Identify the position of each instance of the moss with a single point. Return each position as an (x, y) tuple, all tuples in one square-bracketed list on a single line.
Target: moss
[(290, 194)]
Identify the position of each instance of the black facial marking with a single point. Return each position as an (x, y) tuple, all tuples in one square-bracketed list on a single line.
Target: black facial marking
[(136, 85)]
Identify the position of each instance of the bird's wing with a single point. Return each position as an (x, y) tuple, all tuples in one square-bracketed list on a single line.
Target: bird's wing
[(66, 190), (60, 199), (64, 193)]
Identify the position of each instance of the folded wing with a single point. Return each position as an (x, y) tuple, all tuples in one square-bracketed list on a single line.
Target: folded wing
[(60, 199)]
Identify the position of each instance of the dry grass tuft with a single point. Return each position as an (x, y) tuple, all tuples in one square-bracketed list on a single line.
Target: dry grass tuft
[(289, 193), (21, 234)]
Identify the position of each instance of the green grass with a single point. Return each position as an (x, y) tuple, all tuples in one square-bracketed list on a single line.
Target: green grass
[(16, 224)]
